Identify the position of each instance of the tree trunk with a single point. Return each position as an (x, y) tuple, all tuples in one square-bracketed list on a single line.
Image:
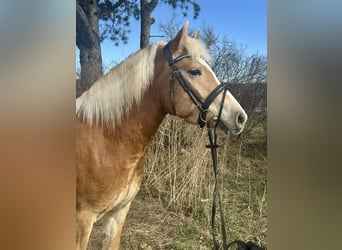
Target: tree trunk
[(146, 9), (88, 42)]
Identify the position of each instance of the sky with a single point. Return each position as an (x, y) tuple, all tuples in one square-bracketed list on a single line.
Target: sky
[(244, 21)]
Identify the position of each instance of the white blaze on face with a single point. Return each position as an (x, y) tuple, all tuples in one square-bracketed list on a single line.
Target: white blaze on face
[(231, 108)]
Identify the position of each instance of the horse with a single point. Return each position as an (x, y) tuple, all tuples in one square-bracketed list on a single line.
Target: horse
[(118, 116)]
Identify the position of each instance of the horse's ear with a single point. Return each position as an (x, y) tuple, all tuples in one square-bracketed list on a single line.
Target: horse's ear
[(196, 34), (178, 42)]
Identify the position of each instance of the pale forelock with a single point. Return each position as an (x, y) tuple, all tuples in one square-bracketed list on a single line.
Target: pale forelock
[(197, 49), (113, 95)]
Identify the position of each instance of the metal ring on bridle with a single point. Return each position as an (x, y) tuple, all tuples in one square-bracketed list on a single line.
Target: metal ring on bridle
[(203, 119)]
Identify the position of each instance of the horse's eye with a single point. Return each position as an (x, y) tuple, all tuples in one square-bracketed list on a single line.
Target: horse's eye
[(195, 72)]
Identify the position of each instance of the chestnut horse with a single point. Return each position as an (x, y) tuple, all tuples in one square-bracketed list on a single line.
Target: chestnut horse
[(118, 116)]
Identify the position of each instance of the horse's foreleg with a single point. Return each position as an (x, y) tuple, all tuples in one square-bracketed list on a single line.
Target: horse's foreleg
[(112, 227), (84, 225)]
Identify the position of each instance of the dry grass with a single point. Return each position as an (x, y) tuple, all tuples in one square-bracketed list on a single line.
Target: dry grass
[(173, 208), (177, 165)]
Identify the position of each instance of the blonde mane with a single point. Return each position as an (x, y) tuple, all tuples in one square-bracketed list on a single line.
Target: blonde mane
[(114, 94)]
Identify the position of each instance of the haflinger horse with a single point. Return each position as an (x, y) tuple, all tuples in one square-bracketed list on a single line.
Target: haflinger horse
[(118, 116)]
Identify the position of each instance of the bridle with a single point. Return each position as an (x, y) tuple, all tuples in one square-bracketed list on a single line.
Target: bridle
[(202, 121), (201, 105)]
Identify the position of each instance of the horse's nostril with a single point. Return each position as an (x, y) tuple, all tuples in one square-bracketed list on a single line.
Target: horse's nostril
[(240, 119)]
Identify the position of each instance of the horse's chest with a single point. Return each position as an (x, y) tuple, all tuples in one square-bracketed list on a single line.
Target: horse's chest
[(126, 195), (130, 178)]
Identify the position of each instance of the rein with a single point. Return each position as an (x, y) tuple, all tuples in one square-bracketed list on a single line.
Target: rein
[(217, 197), (212, 135)]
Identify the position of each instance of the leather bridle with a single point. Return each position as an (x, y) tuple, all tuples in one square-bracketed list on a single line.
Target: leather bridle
[(201, 105)]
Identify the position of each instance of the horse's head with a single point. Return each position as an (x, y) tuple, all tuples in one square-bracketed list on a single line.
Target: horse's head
[(195, 93)]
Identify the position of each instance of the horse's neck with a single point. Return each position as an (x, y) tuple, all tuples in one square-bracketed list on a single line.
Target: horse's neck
[(139, 126)]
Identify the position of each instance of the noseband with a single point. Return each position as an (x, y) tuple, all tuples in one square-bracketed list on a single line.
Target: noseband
[(201, 105)]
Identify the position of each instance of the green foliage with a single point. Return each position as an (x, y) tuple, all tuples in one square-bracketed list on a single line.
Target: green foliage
[(184, 5), (114, 19), (115, 15)]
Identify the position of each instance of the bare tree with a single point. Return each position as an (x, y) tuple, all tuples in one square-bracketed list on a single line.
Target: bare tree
[(171, 27)]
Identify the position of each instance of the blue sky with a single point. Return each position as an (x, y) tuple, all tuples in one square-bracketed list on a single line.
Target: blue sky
[(244, 21)]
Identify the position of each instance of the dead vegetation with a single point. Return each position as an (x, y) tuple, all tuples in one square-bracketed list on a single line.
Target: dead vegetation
[(173, 208)]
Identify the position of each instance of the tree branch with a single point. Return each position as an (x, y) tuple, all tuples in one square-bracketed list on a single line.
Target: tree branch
[(151, 5), (110, 10)]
